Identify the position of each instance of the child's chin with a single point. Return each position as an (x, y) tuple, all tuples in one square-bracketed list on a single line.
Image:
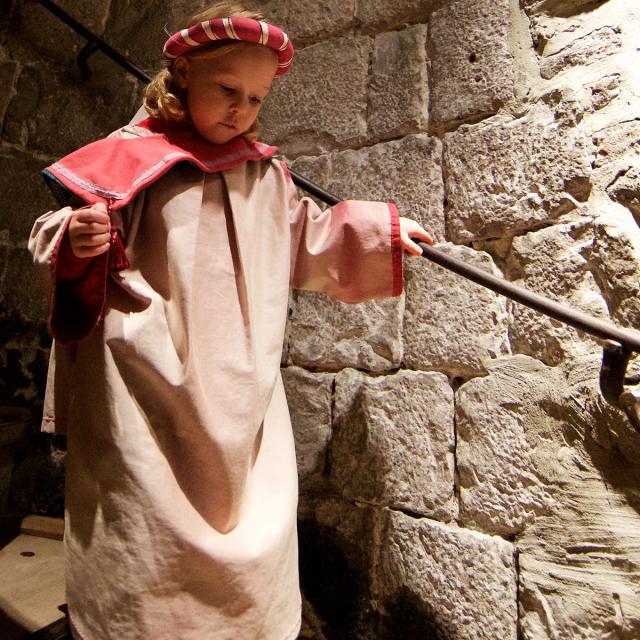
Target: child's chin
[(222, 139)]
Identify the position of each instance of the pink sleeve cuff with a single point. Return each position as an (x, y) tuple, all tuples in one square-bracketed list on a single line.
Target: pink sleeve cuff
[(396, 250), (67, 266)]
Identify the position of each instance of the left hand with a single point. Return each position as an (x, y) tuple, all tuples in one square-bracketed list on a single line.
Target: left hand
[(411, 229)]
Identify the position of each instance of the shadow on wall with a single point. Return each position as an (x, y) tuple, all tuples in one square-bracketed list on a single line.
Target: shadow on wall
[(337, 584)]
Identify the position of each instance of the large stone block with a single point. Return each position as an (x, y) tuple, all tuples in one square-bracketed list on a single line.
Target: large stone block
[(586, 410), (328, 335), (309, 397), (321, 103), (139, 29), (393, 441), (39, 114), (407, 172), (439, 581), (35, 32), (23, 191), (450, 323), (616, 259), (375, 16), (472, 68), (502, 440), (338, 547), (579, 565), (555, 262), (399, 86), (308, 22), (506, 177)]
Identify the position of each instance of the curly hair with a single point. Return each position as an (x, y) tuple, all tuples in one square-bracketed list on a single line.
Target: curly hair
[(164, 99)]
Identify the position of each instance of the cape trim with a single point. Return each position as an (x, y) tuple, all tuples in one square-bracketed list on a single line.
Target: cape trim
[(114, 170)]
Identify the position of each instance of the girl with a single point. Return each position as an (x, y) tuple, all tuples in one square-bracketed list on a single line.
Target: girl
[(181, 475)]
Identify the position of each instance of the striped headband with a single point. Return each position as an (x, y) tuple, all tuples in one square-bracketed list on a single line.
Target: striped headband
[(232, 28)]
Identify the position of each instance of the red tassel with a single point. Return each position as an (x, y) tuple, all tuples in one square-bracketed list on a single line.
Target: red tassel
[(117, 255)]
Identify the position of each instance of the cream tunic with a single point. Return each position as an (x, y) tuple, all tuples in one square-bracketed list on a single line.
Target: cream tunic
[(181, 476)]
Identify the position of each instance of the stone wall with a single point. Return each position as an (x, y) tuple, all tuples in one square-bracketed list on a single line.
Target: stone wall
[(461, 477)]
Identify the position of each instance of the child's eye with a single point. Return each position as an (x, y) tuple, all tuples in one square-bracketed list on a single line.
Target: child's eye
[(228, 90), (256, 100)]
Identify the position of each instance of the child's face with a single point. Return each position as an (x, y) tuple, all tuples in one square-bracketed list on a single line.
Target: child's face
[(224, 94)]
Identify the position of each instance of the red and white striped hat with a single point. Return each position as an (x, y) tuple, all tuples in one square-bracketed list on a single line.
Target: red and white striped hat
[(232, 28)]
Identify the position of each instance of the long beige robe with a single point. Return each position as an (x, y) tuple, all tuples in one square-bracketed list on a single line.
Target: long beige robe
[(181, 478)]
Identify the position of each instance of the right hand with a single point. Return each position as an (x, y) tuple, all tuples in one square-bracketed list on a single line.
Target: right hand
[(90, 231)]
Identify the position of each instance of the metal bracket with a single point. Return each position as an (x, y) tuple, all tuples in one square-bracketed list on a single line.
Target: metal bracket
[(615, 359)]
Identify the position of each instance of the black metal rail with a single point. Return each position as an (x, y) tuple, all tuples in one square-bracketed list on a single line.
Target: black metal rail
[(94, 43), (589, 324), (615, 355)]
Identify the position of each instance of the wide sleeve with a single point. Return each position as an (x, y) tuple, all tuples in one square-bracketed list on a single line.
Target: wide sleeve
[(350, 251), (76, 287)]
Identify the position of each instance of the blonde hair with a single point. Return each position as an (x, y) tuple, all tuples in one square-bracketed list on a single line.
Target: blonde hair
[(164, 99)]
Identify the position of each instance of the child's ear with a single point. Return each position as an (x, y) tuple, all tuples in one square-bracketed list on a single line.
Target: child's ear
[(181, 71)]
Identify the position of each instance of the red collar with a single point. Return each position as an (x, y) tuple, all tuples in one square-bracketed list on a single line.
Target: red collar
[(114, 170)]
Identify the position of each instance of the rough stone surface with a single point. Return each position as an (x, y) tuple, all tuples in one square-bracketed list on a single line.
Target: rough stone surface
[(393, 441), (472, 67), (555, 262), (617, 265), (36, 31), (338, 547), (538, 453), (407, 172), (510, 176), (378, 15), (579, 564), (617, 145), (99, 106), (443, 582), (313, 21), (561, 7), (399, 86), (139, 29), (586, 50), (309, 397), (20, 174), (328, 335), (20, 292), (450, 323), (500, 420), (585, 409), (8, 75), (321, 103), (604, 90), (625, 189)]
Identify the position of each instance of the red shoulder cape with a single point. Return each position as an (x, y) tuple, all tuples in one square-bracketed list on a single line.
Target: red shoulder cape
[(114, 170)]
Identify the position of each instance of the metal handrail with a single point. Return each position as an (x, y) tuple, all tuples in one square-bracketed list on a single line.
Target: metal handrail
[(579, 320), (621, 342), (94, 43)]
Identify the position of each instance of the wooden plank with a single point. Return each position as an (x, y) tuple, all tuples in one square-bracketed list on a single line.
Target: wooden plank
[(32, 581), (43, 527)]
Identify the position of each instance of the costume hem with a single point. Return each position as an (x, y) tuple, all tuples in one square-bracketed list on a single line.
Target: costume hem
[(291, 635)]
